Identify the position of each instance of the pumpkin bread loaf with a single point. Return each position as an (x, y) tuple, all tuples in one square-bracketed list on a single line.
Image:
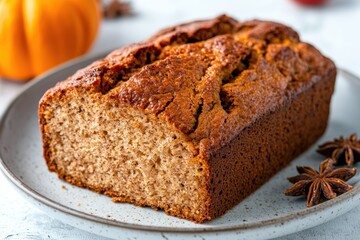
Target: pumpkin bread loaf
[(191, 121)]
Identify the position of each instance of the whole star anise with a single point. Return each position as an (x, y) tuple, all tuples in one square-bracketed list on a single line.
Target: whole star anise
[(343, 150), (317, 186), (115, 8)]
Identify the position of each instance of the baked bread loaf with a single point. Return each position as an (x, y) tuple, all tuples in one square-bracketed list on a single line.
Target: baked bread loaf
[(192, 120)]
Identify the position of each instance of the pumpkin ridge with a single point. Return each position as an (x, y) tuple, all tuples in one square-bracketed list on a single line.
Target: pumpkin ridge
[(37, 35), (90, 23)]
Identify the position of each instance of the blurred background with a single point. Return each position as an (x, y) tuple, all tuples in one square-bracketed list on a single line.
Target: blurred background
[(90, 27)]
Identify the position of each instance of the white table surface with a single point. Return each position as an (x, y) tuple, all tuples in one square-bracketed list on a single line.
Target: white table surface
[(334, 29)]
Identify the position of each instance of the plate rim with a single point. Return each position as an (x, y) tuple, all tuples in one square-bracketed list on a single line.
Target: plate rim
[(289, 217)]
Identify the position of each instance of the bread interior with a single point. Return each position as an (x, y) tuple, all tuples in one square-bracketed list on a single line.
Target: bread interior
[(123, 152)]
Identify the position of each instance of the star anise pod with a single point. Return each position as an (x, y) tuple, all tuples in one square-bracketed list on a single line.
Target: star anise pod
[(318, 186), (343, 150), (116, 8)]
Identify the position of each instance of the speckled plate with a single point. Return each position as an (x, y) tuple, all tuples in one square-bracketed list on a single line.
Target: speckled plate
[(265, 214)]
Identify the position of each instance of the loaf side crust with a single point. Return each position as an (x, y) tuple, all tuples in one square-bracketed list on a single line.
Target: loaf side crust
[(267, 146)]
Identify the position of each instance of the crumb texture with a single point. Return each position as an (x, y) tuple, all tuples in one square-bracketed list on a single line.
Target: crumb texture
[(123, 153), (150, 124)]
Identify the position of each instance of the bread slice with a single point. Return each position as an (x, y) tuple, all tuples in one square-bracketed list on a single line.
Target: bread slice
[(192, 120)]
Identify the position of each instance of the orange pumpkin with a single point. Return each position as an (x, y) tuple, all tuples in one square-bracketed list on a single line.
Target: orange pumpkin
[(36, 35)]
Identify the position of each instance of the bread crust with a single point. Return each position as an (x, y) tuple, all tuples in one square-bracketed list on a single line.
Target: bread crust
[(226, 87)]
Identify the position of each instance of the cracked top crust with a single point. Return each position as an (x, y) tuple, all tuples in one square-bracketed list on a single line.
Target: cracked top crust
[(208, 79)]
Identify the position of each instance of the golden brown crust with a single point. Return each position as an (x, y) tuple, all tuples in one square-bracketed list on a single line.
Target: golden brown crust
[(212, 81), (212, 89)]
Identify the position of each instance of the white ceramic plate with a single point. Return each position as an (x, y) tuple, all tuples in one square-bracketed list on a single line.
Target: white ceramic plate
[(265, 214)]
